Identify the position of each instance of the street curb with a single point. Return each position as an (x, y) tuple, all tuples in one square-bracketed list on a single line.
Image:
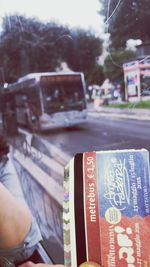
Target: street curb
[(138, 114), (41, 177), (132, 110), (125, 110), (43, 157), (119, 116), (40, 167)]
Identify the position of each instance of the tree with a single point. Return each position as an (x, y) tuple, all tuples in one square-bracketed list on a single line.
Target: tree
[(127, 20), (113, 66), (28, 45), (84, 55), (96, 75)]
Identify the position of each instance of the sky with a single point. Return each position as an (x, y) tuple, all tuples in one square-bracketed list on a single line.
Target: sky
[(74, 13)]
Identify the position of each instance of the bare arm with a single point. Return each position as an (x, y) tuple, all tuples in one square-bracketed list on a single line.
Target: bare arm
[(15, 220)]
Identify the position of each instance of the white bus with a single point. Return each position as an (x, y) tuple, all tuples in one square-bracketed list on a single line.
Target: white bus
[(50, 100)]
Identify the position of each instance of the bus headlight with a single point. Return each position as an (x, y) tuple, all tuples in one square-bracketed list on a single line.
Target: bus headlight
[(44, 118)]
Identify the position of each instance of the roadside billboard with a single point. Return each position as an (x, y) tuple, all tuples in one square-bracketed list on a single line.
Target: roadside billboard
[(137, 79)]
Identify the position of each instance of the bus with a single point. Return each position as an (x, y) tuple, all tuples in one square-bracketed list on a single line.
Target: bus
[(50, 100)]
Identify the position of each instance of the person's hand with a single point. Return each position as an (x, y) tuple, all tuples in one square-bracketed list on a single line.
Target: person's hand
[(31, 264), (84, 264), (90, 264)]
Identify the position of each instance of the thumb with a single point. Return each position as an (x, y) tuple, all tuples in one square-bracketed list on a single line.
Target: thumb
[(27, 264), (90, 264), (31, 264)]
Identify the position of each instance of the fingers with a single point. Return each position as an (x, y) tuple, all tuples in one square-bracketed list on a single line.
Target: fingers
[(27, 264), (31, 264), (84, 264), (90, 264)]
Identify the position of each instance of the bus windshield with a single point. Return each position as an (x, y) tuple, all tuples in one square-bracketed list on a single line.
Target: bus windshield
[(63, 96)]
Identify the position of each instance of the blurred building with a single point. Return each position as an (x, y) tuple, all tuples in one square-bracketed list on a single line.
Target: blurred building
[(137, 75)]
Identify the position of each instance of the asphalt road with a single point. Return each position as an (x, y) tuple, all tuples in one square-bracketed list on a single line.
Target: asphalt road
[(102, 133)]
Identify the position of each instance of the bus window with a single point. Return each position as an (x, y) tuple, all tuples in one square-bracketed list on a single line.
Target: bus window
[(38, 95), (69, 94)]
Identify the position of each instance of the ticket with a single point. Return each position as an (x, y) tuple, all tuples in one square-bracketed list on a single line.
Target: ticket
[(108, 198)]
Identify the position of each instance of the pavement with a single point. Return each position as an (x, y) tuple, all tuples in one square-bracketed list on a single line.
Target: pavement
[(40, 168), (127, 113)]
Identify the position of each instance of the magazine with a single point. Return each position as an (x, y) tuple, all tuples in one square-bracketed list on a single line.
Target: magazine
[(106, 209)]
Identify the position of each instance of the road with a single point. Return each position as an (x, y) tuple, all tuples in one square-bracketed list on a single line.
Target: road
[(102, 133)]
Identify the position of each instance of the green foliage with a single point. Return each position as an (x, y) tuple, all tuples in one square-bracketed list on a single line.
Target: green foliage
[(95, 76), (84, 55), (131, 20), (28, 45), (142, 104), (113, 64)]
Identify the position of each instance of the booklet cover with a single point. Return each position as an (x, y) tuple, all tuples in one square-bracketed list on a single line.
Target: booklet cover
[(106, 209)]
